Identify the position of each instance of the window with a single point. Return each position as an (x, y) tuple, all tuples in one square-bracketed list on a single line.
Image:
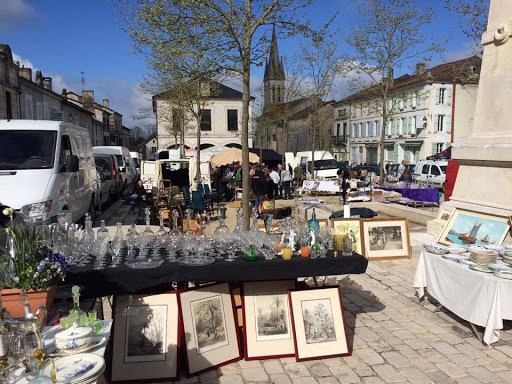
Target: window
[(8, 105), (273, 94), (441, 96), (435, 171), (39, 110), (278, 94), (232, 120), (338, 126), (401, 104), (26, 149), (274, 138), (65, 151), (29, 108), (413, 101), (425, 169), (206, 120), (439, 147), (153, 150), (353, 154), (377, 128), (439, 123), (46, 111), (361, 155), (344, 130), (363, 129), (370, 129)]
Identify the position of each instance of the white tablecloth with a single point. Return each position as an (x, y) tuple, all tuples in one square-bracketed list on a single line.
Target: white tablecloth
[(18, 376), (480, 298)]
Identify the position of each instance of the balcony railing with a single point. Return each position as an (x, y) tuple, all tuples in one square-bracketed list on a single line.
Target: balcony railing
[(339, 140)]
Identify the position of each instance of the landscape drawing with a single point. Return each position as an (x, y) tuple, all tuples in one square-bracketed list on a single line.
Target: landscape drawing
[(272, 316), (385, 238), (209, 323), (468, 229), (318, 321), (146, 338)]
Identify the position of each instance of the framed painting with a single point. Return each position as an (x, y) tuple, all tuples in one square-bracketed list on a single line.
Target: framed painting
[(318, 323), (444, 215), (352, 227), (323, 223), (472, 228), (267, 324), (145, 338), (386, 239), (209, 326)]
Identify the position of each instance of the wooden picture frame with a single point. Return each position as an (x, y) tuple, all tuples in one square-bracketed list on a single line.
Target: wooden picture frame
[(386, 239), (146, 338), (354, 227), (473, 228), (209, 328), (268, 330), (323, 223), (319, 324)]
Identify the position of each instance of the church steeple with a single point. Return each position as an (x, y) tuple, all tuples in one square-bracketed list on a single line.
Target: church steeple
[(274, 77)]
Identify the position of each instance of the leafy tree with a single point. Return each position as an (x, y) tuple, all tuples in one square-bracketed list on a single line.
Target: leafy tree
[(387, 35)]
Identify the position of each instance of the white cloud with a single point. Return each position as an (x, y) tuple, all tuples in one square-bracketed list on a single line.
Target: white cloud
[(13, 12)]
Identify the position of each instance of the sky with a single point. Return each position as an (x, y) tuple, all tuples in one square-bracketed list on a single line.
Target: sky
[(63, 38)]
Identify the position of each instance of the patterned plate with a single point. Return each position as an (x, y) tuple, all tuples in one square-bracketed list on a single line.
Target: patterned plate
[(504, 274), (97, 341), (467, 262), (196, 261), (481, 268), (76, 368), (500, 267)]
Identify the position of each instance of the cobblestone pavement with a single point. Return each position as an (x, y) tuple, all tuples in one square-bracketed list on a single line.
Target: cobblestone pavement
[(394, 338)]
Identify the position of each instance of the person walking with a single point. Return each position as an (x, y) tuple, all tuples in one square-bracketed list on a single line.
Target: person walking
[(276, 180), (258, 186), (406, 176), (270, 183), (279, 171), (401, 168), (286, 182), (298, 174)]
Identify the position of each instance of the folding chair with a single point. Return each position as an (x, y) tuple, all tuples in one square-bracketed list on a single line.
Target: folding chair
[(197, 201), (186, 196)]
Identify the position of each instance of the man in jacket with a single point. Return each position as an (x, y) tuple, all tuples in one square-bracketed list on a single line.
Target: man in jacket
[(286, 181), (258, 186), (277, 180)]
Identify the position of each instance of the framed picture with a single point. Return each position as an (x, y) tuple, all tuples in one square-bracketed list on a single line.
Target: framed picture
[(467, 227), (353, 227), (209, 326), (323, 223), (444, 215), (145, 338), (267, 324), (318, 323), (386, 238)]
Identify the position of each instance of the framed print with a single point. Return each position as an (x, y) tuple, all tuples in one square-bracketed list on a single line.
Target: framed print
[(145, 338), (323, 223), (318, 323), (343, 226), (467, 228), (267, 324), (209, 326), (386, 239), (444, 215)]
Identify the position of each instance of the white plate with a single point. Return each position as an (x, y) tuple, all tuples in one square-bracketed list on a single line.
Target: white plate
[(495, 247), (454, 249), (467, 262), (500, 267), (481, 268), (97, 341), (76, 368), (454, 257), (503, 274)]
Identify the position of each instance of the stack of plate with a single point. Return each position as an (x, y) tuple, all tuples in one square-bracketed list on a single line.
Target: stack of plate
[(454, 257), (81, 368), (506, 254), (483, 256), (436, 248), (503, 274)]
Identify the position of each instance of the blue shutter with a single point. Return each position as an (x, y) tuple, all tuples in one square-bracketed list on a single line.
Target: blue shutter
[(448, 123)]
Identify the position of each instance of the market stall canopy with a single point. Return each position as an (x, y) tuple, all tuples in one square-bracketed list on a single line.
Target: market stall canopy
[(232, 155), (267, 155), (446, 154)]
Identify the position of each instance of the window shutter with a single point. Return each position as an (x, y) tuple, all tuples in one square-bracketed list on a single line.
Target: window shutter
[(437, 96), (434, 148), (448, 96), (448, 123), (377, 128), (395, 154), (436, 123)]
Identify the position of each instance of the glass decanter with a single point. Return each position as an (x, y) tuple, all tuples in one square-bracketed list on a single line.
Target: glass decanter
[(189, 232), (239, 217), (175, 232), (41, 378), (148, 234), (76, 314), (103, 231), (88, 238), (254, 227), (222, 228), (131, 239), (161, 234)]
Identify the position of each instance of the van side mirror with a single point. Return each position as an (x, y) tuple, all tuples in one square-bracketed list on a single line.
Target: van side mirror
[(122, 169), (72, 163)]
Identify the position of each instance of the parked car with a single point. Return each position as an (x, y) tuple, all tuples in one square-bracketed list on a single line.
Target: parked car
[(126, 168), (46, 167), (101, 196), (136, 158), (431, 172), (368, 168), (109, 169), (392, 174), (327, 169)]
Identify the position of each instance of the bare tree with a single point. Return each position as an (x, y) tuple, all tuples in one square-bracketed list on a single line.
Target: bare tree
[(386, 36), (475, 12)]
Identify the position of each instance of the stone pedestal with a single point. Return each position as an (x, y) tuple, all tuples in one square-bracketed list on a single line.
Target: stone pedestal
[(484, 181)]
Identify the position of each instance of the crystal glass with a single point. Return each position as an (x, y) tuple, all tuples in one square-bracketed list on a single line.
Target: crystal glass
[(161, 234), (116, 245), (239, 218), (102, 233), (99, 250), (148, 234), (175, 232), (222, 228), (188, 231), (88, 235)]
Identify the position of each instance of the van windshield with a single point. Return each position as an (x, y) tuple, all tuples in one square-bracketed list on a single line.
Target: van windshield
[(27, 149), (324, 164), (443, 168)]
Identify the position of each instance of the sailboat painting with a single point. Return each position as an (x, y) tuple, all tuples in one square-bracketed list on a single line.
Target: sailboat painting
[(472, 228)]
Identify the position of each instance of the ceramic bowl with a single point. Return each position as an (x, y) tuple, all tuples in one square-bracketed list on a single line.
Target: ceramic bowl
[(454, 249), (74, 337), (436, 248), (506, 253)]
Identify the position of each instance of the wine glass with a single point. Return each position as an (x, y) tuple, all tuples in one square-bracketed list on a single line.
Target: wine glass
[(116, 246)]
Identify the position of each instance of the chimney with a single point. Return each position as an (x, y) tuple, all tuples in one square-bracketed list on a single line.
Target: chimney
[(420, 68), (26, 73), (47, 83), (64, 93), (106, 103), (88, 100), (39, 78)]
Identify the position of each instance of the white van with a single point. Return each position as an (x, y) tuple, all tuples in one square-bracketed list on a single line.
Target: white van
[(325, 168), (136, 158), (46, 167), (431, 172), (127, 171)]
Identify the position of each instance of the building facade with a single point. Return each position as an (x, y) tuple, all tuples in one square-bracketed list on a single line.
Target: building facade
[(423, 115), (221, 121), (9, 85)]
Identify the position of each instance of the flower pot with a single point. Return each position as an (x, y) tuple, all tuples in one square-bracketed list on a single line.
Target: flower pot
[(11, 300)]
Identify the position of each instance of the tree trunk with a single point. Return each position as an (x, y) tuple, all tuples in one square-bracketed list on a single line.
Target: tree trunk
[(198, 149), (246, 76), (182, 144), (381, 146)]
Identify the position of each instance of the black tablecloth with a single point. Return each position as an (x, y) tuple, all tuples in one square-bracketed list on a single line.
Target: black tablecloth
[(111, 281)]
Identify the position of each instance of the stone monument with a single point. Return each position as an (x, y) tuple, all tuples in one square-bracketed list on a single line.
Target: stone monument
[(484, 181)]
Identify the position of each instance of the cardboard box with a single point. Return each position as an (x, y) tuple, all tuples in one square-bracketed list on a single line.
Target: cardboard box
[(235, 204)]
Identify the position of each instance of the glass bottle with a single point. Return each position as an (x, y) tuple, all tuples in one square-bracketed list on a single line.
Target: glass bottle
[(175, 232), (131, 238), (161, 234), (76, 314), (222, 228), (103, 231), (41, 378), (88, 235), (148, 233), (314, 225), (117, 244), (254, 227), (239, 216), (189, 232)]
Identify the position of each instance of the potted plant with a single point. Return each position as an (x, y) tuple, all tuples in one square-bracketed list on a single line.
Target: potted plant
[(26, 265)]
